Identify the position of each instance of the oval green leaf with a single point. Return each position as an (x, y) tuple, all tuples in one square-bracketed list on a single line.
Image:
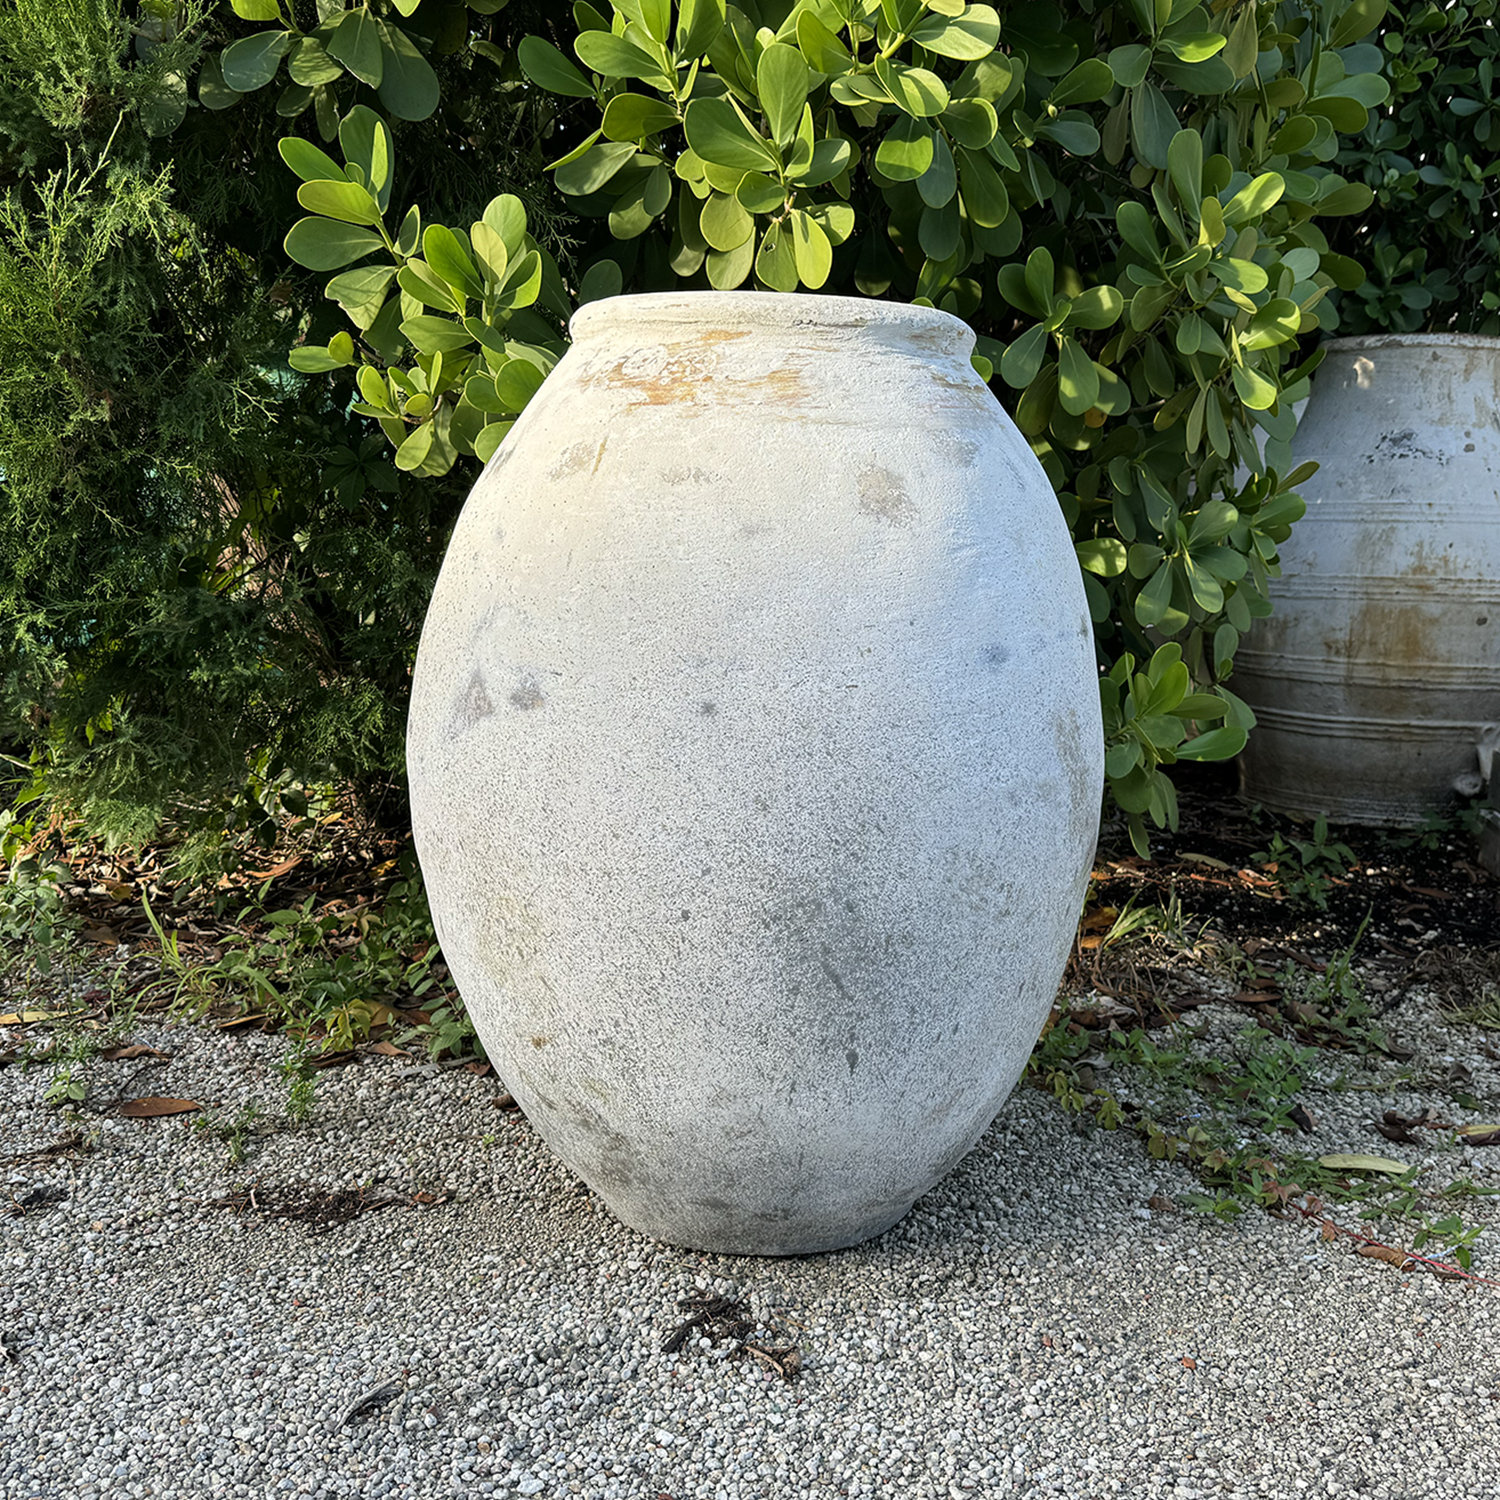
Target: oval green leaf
[(251, 62), (408, 86), (548, 69), (325, 245)]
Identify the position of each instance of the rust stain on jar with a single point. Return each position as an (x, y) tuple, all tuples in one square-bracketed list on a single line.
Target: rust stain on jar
[(686, 372), (1409, 643), (962, 390)]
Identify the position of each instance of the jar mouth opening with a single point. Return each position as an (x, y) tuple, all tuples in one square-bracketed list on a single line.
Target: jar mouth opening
[(786, 313)]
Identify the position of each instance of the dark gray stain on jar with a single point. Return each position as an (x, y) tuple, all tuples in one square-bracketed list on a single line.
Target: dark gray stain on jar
[(474, 704), (882, 494), (960, 451)]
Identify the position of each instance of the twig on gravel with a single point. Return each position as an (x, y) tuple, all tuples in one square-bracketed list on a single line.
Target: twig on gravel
[(126, 1089), (786, 1362), (719, 1317), (726, 1317), (319, 1208), (70, 1144), (1394, 1255), (369, 1401)]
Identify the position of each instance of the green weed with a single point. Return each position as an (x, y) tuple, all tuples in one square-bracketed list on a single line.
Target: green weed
[(1306, 869), (329, 972), (1218, 1116), (301, 1080), (237, 1131)]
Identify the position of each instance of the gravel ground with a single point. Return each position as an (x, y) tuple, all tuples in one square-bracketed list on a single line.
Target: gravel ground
[(1033, 1327)]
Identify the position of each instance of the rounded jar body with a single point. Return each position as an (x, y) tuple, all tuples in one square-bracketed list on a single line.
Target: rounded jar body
[(1376, 679), (755, 761)]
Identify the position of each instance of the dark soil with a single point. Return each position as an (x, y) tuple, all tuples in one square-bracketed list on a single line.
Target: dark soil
[(1418, 902)]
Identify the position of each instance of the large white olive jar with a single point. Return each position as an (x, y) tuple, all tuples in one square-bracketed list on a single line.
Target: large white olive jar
[(1376, 678), (756, 760)]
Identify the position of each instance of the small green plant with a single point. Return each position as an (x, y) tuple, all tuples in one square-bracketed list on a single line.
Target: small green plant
[(1306, 869), (1456, 1237), (301, 1080), (186, 979), (1214, 1115), (34, 911), (1271, 1073), (1405, 1207), (450, 1033), (237, 1131), (333, 971), (69, 1051), (67, 1086), (1333, 1002)]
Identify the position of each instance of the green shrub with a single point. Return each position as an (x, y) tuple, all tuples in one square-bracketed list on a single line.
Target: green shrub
[(1125, 204), (1127, 201), (1429, 241), (212, 579)]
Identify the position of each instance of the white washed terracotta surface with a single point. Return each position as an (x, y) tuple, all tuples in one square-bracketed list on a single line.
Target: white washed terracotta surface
[(756, 760)]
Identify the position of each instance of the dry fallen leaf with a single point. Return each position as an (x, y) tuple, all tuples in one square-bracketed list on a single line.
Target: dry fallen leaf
[(102, 934), (1189, 1363), (1388, 1253), (155, 1105), (333, 1059), (26, 1017), (1205, 859), (1395, 1126), (135, 1049), (274, 871), (118, 890), (1480, 1135), (387, 1049), (506, 1102), (1340, 1161)]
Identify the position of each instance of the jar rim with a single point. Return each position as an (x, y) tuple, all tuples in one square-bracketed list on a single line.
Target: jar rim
[(783, 312), (1414, 341)]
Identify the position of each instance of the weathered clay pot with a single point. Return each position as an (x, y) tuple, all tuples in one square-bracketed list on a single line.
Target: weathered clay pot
[(1376, 679), (755, 761)]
